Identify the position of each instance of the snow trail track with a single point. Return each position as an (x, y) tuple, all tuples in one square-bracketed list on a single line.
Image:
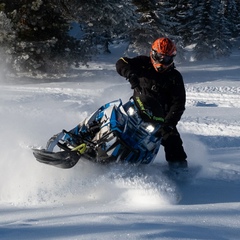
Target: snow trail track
[(216, 109)]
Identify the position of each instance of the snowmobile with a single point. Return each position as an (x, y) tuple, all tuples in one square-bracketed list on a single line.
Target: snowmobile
[(113, 133)]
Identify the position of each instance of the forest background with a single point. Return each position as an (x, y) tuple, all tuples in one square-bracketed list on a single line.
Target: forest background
[(52, 36)]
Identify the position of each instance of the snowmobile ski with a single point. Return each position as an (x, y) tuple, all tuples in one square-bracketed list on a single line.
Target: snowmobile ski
[(64, 159)]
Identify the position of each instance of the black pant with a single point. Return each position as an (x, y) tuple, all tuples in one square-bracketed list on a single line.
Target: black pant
[(174, 151)]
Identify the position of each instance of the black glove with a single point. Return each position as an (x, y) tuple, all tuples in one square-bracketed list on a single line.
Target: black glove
[(165, 131), (134, 81)]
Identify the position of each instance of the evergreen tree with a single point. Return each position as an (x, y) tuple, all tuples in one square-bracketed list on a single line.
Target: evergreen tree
[(180, 31), (100, 20), (41, 36), (7, 35), (237, 3), (158, 19), (232, 16), (39, 40), (221, 39), (185, 15), (147, 28), (210, 34)]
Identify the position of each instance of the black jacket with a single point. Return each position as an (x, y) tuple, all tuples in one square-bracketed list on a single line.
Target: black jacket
[(165, 92)]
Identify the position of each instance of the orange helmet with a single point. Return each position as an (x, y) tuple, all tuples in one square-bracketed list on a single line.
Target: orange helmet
[(162, 53)]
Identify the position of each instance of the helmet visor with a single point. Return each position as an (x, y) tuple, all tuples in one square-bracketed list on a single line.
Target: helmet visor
[(161, 58)]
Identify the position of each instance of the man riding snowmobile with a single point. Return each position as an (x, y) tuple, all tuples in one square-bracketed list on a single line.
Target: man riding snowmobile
[(131, 132), (159, 93)]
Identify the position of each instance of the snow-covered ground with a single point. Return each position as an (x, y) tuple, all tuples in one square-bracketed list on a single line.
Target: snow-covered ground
[(89, 201)]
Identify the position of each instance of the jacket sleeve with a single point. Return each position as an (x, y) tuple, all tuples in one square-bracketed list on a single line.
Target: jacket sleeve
[(126, 66), (177, 106)]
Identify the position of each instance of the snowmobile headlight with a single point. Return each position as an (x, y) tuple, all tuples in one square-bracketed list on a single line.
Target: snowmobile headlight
[(131, 111), (150, 128)]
